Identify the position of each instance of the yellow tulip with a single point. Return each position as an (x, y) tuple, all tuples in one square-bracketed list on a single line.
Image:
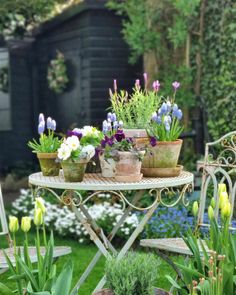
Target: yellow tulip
[(39, 203), (38, 217), (195, 208), (223, 198), (221, 188), (13, 224), (25, 224), (226, 211), (210, 213)]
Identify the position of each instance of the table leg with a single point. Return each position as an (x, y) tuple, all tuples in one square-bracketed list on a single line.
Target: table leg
[(97, 256), (132, 238)]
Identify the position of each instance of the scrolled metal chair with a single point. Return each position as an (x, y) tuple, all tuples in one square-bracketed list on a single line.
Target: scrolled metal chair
[(219, 166), (58, 251)]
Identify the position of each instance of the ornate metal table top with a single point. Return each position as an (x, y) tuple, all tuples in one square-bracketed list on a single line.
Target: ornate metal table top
[(94, 181)]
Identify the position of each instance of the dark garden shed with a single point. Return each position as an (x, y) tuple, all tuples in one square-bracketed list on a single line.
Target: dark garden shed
[(89, 36)]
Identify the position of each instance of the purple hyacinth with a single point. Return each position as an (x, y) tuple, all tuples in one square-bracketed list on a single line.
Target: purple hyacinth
[(119, 136), (104, 126), (168, 106), (156, 85), (175, 108), (179, 114), (49, 123), (176, 85), (53, 125), (41, 127), (153, 141), (154, 116), (41, 118)]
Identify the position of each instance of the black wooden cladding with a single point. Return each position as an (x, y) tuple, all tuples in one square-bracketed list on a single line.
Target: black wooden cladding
[(90, 37)]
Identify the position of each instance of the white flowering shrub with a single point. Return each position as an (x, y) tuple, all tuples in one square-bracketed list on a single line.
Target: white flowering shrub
[(64, 222)]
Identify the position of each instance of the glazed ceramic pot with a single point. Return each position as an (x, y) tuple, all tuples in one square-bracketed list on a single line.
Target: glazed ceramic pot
[(48, 164), (108, 166), (164, 155), (128, 166), (74, 171)]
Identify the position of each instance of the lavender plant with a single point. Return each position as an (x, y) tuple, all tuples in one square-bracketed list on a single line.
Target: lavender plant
[(135, 110), (165, 124), (48, 142)]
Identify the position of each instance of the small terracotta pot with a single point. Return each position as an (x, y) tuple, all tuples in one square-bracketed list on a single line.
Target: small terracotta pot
[(74, 171), (139, 137), (164, 155), (48, 164), (128, 167), (108, 166)]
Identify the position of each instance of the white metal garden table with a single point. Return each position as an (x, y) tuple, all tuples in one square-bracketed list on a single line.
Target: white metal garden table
[(162, 191)]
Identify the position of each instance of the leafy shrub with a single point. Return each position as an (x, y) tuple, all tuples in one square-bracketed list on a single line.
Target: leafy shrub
[(134, 274)]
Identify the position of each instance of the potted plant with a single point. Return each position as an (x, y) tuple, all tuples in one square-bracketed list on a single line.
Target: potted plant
[(76, 151), (106, 149), (164, 130), (135, 110), (47, 146), (136, 273)]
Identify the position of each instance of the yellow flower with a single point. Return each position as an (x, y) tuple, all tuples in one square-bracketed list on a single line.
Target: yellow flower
[(195, 208), (38, 217), (224, 198), (13, 224), (39, 203), (25, 224), (226, 211), (221, 188), (210, 213)]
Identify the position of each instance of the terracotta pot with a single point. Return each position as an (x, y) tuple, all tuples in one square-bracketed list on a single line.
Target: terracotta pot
[(108, 166), (128, 167), (157, 291), (74, 171), (139, 137), (48, 164), (104, 292), (164, 155)]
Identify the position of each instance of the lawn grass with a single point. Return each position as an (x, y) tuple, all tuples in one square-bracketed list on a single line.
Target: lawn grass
[(81, 256)]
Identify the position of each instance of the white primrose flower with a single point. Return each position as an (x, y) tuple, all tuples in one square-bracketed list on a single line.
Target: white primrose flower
[(64, 152), (87, 130), (88, 151), (73, 142)]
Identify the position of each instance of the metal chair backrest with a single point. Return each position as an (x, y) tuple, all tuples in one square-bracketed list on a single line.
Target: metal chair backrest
[(4, 227), (219, 167)]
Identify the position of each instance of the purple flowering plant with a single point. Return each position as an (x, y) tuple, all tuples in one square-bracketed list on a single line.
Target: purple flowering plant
[(48, 142), (135, 109), (165, 124), (87, 135)]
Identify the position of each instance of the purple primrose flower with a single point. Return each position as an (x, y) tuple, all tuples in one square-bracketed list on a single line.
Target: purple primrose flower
[(119, 136), (176, 85), (153, 141)]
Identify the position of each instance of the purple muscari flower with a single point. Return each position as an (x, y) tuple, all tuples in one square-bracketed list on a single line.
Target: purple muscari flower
[(53, 125), (115, 125), (115, 85), (167, 126), (176, 85), (104, 126), (164, 108), (154, 116), (137, 84), (41, 127), (159, 120), (49, 123), (153, 141), (119, 136), (109, 116), (167, 119), (145, 77), (156, 85), (109, 127), (179, 114), (113, 117), (175, 108), (168, 106), (41, 117)]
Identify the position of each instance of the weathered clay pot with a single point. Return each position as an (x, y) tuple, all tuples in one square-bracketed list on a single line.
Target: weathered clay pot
[(164, 155), (128, 167), (139, 137), (74, 171), (48, 164), (108, 166)]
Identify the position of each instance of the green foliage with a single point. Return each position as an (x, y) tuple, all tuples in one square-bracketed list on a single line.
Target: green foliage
[(47, 143), (218, 85), (134, 110), (134, 274)]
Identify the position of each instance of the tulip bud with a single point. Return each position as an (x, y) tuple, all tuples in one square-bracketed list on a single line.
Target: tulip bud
[(221, 188), (195, 208), (213, 203), (39, 203), (38, 217), (224, 198), (210, 213), (13, 224), (25, 224), (226, 211)]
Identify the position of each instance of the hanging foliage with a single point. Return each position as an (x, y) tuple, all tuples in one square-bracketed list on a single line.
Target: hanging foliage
[(57, 74), (4, 79)]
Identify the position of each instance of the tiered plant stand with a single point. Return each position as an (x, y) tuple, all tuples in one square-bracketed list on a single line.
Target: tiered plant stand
[(162, 191)]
